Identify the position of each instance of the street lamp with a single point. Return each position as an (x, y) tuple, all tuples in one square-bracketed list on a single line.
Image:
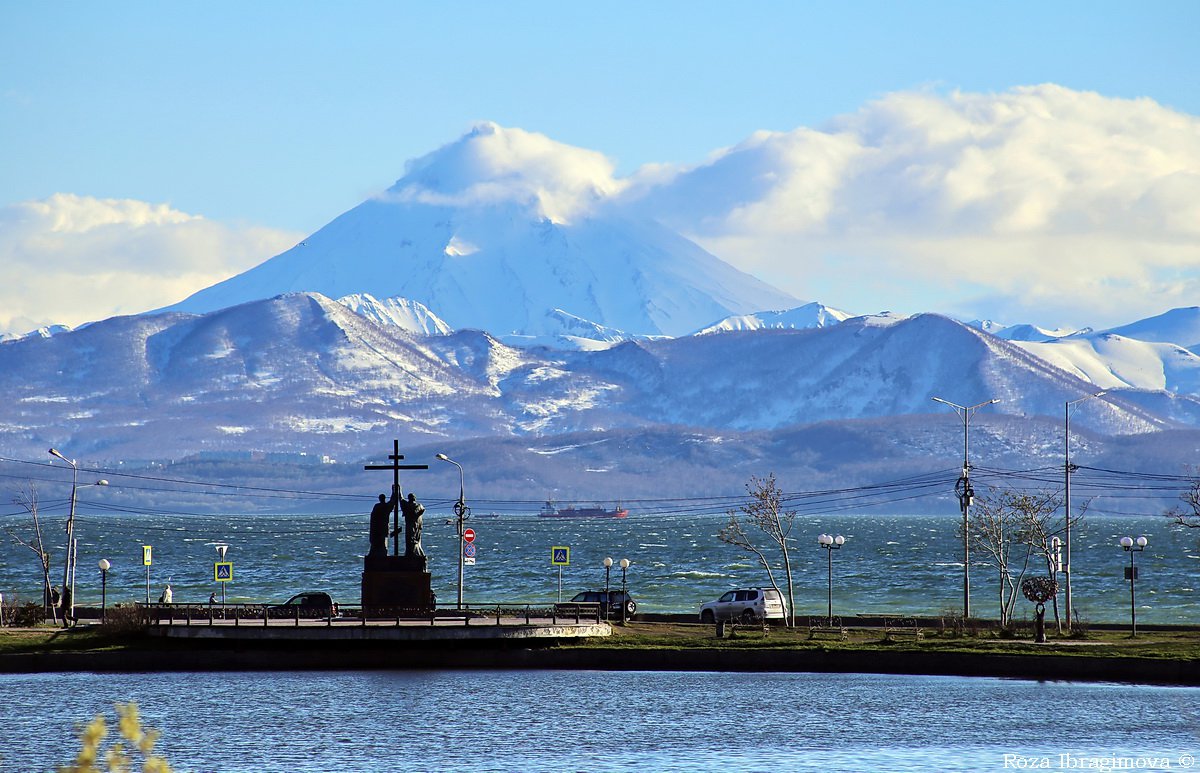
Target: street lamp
[(830, 544), (69, 563), (624, 594), (607, 597), (1131, 547), (1068, 468), (462, 513), (965, 493), (104, 567)]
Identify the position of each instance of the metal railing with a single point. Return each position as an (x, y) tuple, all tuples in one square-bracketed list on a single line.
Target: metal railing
[(269, 614)]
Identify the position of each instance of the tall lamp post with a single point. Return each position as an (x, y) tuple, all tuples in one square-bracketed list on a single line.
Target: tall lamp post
[(1132, 547), (69, 563), (1068, 468), (624, 592), (965, 493), (830, 544), (104, 567), (461, 513), (608, 562)]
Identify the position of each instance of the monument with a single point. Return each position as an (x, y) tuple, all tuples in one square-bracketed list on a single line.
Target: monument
[(396, 583)]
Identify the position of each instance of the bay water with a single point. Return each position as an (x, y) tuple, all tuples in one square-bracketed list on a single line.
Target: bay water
[(890, 564), (601, 721)]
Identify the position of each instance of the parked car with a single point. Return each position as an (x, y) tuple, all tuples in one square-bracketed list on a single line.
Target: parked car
[(746, 604), (309, 604), (613, 599)]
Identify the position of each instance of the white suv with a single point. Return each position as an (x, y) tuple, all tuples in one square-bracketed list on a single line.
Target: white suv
[(747, 604)]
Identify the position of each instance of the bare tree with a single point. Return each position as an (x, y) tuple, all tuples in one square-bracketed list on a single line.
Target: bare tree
[(28, 499), (1008, 529), (1189, 515), (1041, 528), (764, 512)]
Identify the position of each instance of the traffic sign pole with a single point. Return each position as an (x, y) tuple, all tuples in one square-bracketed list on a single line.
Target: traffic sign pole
[(147, 559), (560, 556)]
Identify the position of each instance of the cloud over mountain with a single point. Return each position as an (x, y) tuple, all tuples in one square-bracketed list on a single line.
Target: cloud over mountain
[(1039, 201), (491, 165), (99, 257)]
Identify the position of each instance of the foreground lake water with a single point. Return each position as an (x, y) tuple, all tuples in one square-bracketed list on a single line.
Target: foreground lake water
[(600, 721), (891, 564)]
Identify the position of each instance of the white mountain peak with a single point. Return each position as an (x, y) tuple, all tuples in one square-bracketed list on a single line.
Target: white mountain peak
[(492, 232)]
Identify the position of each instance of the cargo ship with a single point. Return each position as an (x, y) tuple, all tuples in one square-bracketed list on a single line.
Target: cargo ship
[(570, 511)]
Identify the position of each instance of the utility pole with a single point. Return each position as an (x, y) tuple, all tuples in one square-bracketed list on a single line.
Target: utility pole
[(966, 494), (1069, 468)]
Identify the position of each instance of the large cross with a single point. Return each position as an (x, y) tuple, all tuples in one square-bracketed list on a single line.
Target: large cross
[(396, 467)]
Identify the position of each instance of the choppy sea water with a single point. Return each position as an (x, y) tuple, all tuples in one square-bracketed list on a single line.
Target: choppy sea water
[(895, 564), (599, 721)]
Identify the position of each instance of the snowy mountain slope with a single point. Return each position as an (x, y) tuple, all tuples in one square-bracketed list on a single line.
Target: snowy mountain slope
[(1177, 326), (859, 369), (573, 333), (264, 375), (1023, 332), (800, 318), (407, 315), (1035, 333), (1112, 361), (487, 243), (303, 372)]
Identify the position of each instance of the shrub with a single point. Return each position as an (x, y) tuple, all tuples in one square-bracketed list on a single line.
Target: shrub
[(93, 758), (26, 615), (123, 618)]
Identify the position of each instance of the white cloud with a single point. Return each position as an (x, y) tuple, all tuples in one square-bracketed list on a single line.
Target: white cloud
[(493, 164), (1040, 202), (72, 259)]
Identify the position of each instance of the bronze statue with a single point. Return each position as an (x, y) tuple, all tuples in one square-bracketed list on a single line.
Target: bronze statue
[(413, 510), (381, 513)]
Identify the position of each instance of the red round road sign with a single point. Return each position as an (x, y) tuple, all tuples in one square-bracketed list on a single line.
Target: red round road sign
[(468, 535)]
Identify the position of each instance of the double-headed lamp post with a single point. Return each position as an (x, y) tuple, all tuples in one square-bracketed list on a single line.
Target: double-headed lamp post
[(624, 592), (69, 563), (461, 513), (608, 562), (965, 493), (830, 544), (1068, 468), (1132, 546), (104, 567)]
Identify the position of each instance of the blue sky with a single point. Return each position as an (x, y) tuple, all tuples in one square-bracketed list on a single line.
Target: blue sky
[(281, 115)]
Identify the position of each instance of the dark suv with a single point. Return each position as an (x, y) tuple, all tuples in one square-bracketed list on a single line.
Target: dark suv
[(613, 599), (311, 604)]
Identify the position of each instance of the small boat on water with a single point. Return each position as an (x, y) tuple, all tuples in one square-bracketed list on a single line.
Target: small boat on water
[(571, 511)]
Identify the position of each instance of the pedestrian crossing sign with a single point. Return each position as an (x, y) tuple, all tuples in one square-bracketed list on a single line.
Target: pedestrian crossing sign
[(560, 555), (223, 571)]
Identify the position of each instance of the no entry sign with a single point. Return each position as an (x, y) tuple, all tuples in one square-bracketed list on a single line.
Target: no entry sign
[(468, 535)]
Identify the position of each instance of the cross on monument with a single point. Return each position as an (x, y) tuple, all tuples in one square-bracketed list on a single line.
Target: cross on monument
[(396, 467)]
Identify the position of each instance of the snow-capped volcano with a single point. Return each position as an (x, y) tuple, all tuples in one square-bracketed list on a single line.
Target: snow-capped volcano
[(497, 229)]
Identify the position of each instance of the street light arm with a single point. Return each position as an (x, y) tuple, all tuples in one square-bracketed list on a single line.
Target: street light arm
[(56, 452), (461, 482)]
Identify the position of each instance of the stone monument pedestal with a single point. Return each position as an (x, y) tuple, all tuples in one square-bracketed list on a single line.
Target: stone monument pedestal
[(394, 583)]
